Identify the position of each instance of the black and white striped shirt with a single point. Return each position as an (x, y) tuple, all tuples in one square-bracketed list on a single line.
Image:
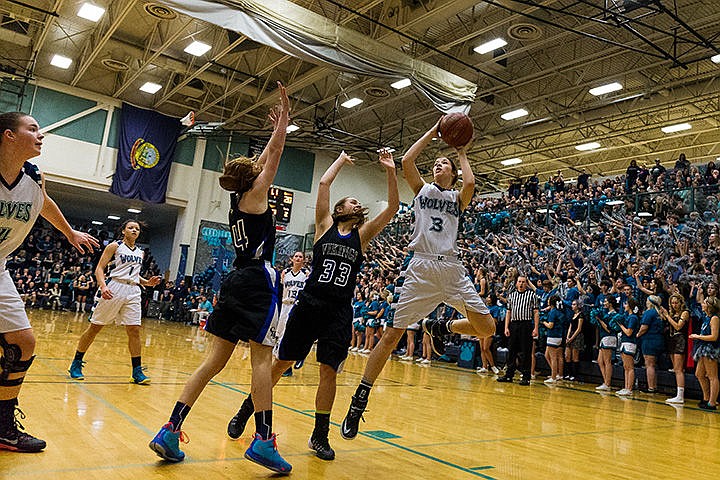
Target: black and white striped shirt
[(522, 306)]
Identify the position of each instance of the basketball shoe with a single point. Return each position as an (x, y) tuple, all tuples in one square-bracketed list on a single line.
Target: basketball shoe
[(265, 453), (237, 424), (167, 443), (351, 422), (76, 370), (11, 436), (139, 377)]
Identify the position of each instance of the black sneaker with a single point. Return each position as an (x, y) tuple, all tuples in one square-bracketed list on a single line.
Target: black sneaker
[(505, 379), (702, 403), (707, 406), (433, 328), (524, 381), (351, 422), (298, 365), (322, 448), (15, 440), (237, 423)]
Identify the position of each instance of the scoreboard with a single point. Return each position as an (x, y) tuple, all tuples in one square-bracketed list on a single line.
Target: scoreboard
[(281, 204)]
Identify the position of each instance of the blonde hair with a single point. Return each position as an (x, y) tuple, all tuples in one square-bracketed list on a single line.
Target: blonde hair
[(239, 174)]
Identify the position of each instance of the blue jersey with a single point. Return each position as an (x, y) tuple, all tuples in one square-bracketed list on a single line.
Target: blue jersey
[(557, 318), (653, 321), (633, 323)]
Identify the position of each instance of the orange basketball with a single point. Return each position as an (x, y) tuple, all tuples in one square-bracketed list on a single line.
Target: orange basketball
[(456, 129)]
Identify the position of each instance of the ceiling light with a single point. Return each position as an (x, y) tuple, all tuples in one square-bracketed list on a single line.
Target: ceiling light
[(292, 128), (490, 46), (511, 161), (715, 58), (676, 128), (615, 202), (352, 102), (405, 82), (520, 112), (113, 217), (134, 210), (197, 48), (150, 87), (587, 146), (60, 61), (91, 12), (603, 89), (95, 222)]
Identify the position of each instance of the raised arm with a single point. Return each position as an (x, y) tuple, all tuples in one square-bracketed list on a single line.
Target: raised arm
[(270, 157), (369, 229), (468, 178), (410, 170), (323, 215)]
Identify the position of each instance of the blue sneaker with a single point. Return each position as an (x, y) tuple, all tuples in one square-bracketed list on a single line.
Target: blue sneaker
[(265, 453), (139, 377), (76, 370), (167, 443)]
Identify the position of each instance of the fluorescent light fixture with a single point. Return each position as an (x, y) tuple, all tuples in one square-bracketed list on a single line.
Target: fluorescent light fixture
[(603, 89), (134, 210), (292, 128), (520, 112), (91, 12), (587, 146), (113, 217), (150, 87), (715, 58), (197, 48), (96, 222), (644, 214), (490, 46), (61, 62), (511, 161), (352, 102), (676, 128), (615, 202), (405, 82)]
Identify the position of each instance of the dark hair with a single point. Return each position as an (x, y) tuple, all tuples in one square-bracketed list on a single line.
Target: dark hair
[(612, 301), (239, 174), (454, 169), (359, 217), (141, 224), (632, 304), (10, 121), (553, 300)]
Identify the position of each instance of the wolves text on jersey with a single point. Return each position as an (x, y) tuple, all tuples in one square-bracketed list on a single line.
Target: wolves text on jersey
[(15, 210), (451, 207)]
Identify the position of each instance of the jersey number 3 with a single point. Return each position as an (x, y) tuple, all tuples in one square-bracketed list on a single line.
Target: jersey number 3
[(329, 267), (437, 224)]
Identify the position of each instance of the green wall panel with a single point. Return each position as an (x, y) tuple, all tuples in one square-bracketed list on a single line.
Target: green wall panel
[(185, 151), (296, 170), (87, 129), (113, 140)]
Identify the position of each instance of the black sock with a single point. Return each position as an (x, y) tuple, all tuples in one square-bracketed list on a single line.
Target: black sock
[(79, 355), (178, 415), (322, 424), (136, 361), (263, 424), (363, 390)]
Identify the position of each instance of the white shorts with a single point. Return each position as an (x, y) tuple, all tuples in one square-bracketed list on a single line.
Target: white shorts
[(12, 308), (430, 282), (628, 348), (608, 342), (554, 342), (122, 309)]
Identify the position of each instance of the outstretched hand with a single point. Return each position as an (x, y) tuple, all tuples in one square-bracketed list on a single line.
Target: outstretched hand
[(386, 159), (281, 109), (346, 158), (79, 239)]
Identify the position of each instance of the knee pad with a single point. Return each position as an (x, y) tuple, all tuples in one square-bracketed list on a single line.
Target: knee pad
[(10, 362)]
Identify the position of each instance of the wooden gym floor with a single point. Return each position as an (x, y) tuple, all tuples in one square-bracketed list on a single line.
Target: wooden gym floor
[(437, 422)]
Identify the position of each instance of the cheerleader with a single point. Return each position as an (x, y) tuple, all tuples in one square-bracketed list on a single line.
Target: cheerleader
[(651, 341), (606, 325), (628, 345), (707, 352), (678, 319), (553, 351)]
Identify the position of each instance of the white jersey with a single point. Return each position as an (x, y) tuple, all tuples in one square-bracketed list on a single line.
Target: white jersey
[(128, 262), (437, 214), (20, 205), (293, 283)]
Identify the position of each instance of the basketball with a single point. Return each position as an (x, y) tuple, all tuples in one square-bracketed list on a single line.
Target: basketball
[(456, 129)]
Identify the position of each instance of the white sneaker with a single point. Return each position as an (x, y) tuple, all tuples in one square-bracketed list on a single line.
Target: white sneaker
[(419, 359), (549, 380), (675, 400), (602, 388), (365, 350), (482, 370), (532, 377), (425, 361), (624, 393), (495, 370)]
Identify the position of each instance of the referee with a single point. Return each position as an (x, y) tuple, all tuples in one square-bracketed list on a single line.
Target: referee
[(521, 325)]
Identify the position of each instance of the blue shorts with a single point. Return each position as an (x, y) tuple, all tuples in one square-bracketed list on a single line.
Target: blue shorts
[(652, 345)]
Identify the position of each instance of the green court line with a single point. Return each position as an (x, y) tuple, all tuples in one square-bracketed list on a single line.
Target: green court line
[(381, 440)]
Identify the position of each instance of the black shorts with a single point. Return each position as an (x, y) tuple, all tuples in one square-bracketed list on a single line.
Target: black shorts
[(677, 344), (247, 307), (330, 323)]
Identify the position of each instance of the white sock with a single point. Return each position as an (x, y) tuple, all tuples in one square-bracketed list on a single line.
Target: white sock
[(681, 392)]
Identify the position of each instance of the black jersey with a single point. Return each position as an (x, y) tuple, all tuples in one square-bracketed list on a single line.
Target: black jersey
[(336, 262), (253, 235)]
